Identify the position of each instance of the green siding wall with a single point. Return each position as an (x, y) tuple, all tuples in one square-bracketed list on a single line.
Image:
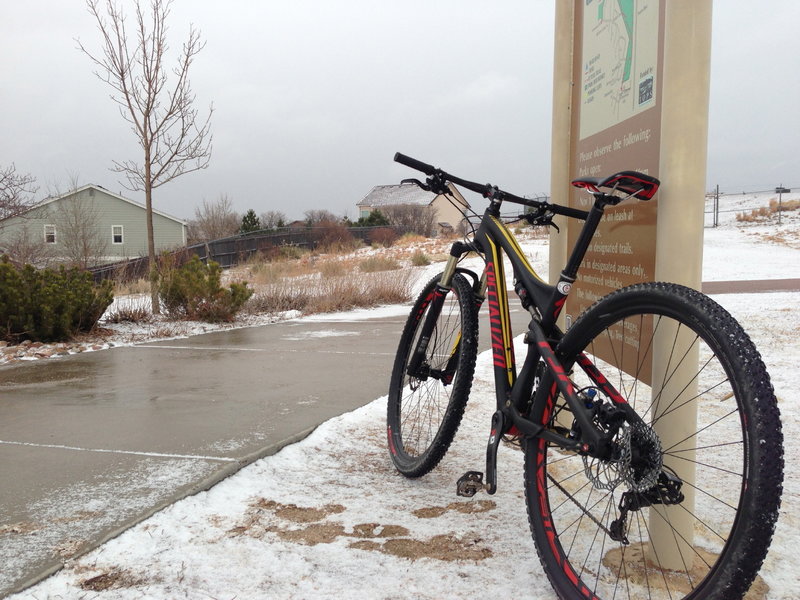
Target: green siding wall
[(105, 210)]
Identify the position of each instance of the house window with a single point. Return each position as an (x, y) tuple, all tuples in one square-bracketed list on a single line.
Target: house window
[(50, 234), (116, 234)]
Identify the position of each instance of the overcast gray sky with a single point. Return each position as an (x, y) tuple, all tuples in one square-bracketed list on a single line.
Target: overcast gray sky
[(313, 97)]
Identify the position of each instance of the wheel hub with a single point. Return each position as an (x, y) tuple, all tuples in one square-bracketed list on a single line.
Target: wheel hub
[(636, 460)]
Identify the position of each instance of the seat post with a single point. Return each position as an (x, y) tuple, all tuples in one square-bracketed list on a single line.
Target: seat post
[(586, 234)]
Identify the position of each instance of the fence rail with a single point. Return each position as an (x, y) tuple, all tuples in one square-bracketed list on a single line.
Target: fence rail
[(231, 251), (727, 206)]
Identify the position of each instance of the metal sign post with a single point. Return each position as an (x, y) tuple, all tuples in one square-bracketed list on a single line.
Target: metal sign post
[(780, 190)]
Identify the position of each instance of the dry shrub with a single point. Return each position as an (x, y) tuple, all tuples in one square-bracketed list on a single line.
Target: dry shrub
[(378, 263), (166, 330), (265, 273), (334, 268), (331, 294), (130, 287), (136, 311), (334, 237), (383, 237), (757, 214), (762, 213), (786, 205), (420, 259), (279, 297), (409, 239), (365, 291), (281, 252)]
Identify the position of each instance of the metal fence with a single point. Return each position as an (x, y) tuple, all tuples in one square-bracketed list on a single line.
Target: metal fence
[(233, 250), (721, 207)]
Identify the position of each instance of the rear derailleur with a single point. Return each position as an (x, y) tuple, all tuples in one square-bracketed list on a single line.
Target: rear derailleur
[(666, 491)]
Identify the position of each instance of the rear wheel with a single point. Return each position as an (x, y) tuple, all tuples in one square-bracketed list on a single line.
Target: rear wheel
[(687, 504), (427, 400)]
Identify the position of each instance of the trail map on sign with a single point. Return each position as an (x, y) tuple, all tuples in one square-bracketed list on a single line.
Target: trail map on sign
[(620, 54)]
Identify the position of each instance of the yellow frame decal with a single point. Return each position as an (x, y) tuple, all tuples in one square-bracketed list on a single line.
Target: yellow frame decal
[(502, 304)]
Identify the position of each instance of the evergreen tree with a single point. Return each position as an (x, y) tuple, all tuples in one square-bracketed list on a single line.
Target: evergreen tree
[(250, 222), (374, 219)]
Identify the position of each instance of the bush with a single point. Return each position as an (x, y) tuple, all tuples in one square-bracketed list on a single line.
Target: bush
[(332, 236), (374, 219), (384, 236), (194, 292), (49, 305)]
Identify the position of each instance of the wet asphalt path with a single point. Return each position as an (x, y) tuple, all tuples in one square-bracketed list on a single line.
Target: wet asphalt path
[(93, 443)]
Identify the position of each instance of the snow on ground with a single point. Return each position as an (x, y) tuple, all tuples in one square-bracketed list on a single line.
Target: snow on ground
[(329, 517)]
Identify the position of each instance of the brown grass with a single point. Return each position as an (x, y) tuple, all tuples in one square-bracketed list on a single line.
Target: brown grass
[(330, 294), (409, 239), (420, 259), (763, 213), (374, 264), (134, 286)]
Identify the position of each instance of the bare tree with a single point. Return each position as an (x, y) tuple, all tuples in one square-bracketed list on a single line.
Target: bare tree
[(24, 247), (412, 218), (272, 219), (82, 243), (16, 192), (163, 118), (316, 216), (214, 220)]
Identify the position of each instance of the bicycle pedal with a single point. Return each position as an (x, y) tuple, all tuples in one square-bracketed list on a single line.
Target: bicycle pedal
[(469, 484)]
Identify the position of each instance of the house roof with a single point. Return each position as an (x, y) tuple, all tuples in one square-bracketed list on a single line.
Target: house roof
[(403, 193), (51, 199)]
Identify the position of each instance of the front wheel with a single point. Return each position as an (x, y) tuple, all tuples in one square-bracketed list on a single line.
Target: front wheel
[(686, 505), (427, 395)]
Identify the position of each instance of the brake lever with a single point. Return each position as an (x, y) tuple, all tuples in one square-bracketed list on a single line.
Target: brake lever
[(416, 182)]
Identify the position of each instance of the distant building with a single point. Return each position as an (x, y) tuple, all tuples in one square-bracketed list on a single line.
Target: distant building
[(89, 226), (449, 210)]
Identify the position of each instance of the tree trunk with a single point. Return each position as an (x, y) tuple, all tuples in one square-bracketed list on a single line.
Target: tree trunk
[(151, 246)]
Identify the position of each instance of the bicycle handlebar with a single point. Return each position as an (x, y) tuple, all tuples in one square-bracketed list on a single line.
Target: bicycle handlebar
[(486, 190), (415, 164)]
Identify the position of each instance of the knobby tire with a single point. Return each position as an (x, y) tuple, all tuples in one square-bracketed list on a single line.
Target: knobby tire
[(424, 413), (736, 452)]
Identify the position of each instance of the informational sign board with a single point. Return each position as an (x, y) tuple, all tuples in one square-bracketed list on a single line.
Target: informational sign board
[(619, 48)]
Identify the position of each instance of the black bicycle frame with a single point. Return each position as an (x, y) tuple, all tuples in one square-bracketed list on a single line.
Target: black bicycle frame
[(544, 301)]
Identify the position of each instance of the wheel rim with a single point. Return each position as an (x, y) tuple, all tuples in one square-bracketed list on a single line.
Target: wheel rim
[(581, 512)]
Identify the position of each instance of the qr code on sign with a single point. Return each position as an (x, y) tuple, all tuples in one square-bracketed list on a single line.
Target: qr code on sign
[(645, 90)]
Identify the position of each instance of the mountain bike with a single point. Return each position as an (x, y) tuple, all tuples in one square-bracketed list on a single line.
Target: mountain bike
[(650, 429)]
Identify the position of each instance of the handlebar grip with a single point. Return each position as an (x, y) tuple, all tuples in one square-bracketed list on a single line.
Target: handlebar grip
[(414, 163)]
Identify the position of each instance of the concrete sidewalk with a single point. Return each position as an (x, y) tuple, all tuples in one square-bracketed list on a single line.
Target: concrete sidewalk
[(93, 443)]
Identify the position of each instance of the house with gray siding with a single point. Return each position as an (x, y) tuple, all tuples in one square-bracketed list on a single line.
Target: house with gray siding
[(87, 226)]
